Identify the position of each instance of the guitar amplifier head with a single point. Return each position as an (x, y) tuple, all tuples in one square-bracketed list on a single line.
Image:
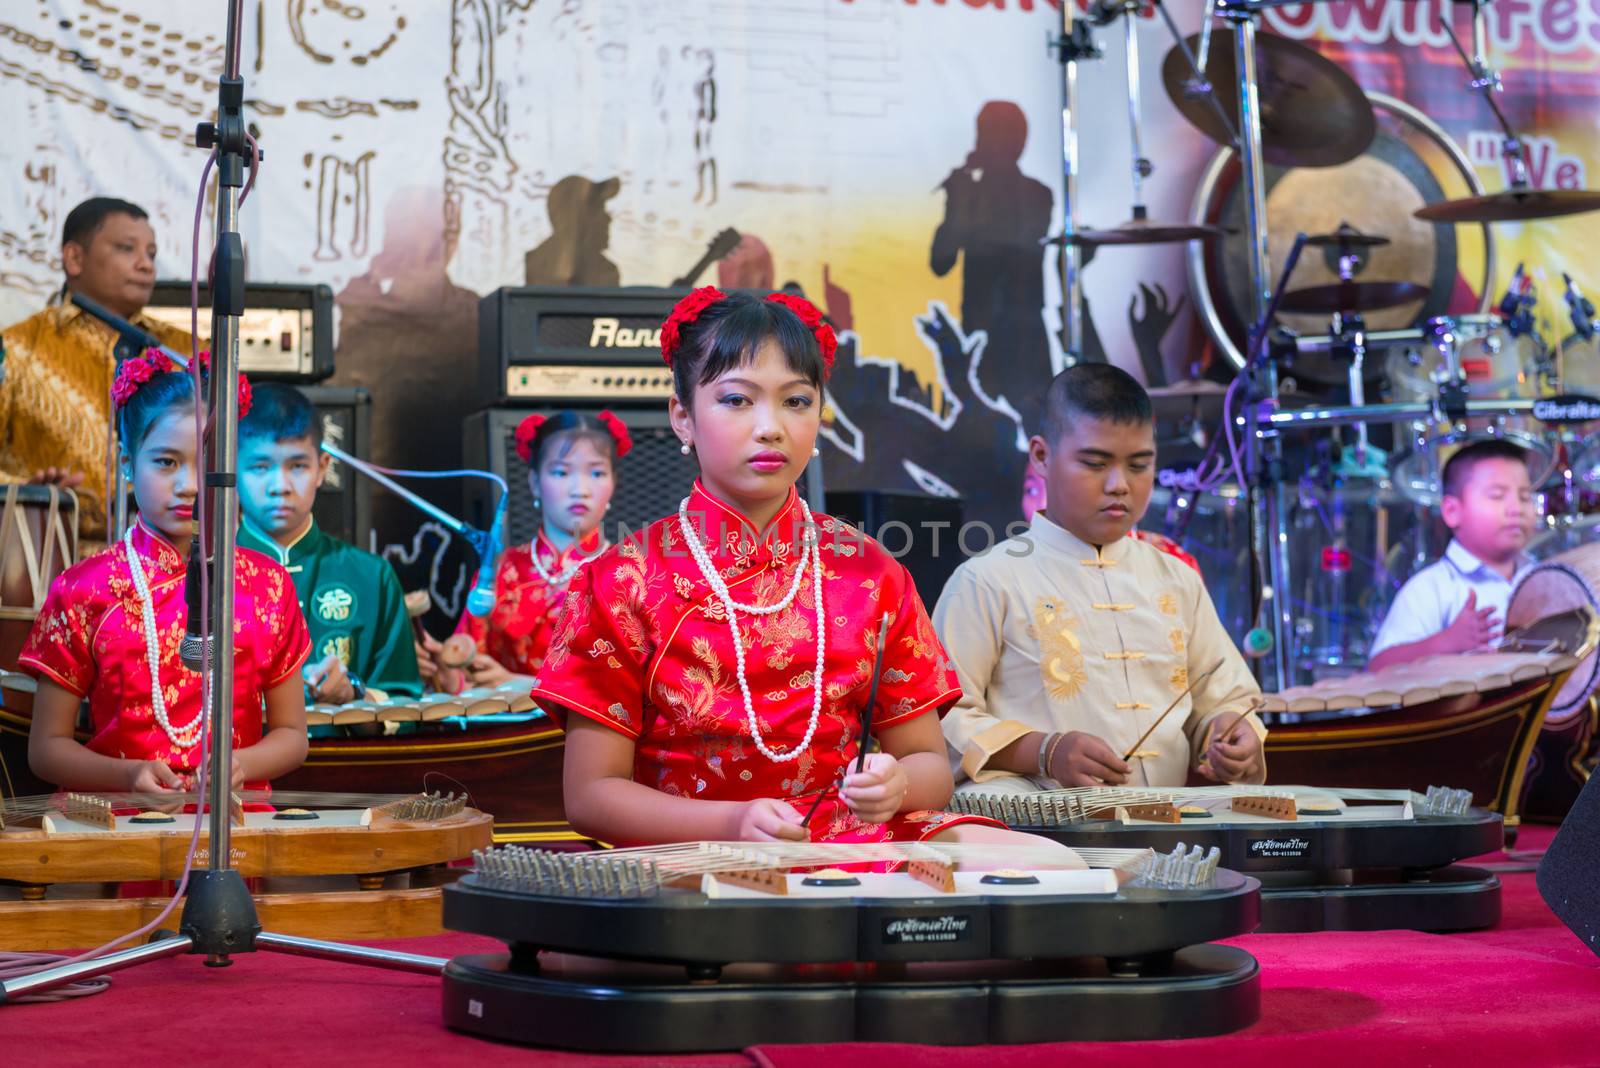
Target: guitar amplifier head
[(651, 479), (285, 333), (569, 344)]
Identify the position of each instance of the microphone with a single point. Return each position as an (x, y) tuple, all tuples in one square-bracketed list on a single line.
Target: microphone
[(481, 600), (1513, 299), (194, 651), (1582, 309)]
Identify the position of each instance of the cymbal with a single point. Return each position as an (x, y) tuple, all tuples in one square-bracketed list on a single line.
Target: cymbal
[(1346, 236), (1350, 297), (1313, 114), (1200, 398), (1143, 232), (1513, 205)]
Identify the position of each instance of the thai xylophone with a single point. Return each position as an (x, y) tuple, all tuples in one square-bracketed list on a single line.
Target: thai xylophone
[(710, 945)]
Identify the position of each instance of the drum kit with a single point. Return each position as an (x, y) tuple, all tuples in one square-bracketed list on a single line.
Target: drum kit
[(1445, 380)]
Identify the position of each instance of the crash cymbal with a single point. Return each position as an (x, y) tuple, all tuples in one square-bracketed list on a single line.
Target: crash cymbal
[(1313, 114), (1351, 297), (1346, 236), (1513, 205), (1143, 232)]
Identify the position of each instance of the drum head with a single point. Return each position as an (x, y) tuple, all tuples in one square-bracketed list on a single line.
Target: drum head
[(1411, 162), (1497, 363), (1560, 585), (1416, 475)]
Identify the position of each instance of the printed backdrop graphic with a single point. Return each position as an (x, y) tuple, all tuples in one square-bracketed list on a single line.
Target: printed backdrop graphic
[(900, 160)]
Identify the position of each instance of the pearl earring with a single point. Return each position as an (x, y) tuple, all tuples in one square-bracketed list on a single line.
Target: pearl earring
[(815, 451), (684, 448)]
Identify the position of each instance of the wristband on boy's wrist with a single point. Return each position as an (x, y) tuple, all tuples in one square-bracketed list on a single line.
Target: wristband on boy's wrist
[(1045, 745)]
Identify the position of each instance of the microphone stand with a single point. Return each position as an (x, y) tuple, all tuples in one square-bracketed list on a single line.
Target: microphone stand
[(219, 916)]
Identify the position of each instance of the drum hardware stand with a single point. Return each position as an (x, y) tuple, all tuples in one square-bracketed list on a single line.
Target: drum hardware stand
[(1264, 476), (219, 916), (1073, 44), (1198, 86), (1264, 454), (1486, 82)]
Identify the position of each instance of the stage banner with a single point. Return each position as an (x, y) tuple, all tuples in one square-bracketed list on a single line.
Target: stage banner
[(899, 160)]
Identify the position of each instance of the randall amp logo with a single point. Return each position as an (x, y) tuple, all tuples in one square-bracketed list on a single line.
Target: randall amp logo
[(1279, 847), (906, 930), (609, 333)]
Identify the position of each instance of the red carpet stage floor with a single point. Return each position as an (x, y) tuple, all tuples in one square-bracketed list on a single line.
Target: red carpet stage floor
[(1524, 993)]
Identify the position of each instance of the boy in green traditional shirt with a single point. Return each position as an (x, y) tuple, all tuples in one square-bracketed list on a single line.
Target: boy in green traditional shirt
[(352, 601)]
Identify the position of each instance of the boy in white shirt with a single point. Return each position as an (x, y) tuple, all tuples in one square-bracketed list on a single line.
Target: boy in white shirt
[(1457, 603)]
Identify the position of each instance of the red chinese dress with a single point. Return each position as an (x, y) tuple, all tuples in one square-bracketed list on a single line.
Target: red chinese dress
[(518, 630), (89, 639), (643, 648)]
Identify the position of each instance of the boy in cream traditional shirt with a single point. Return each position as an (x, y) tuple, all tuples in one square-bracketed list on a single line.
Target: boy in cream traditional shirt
[(1072, 638)]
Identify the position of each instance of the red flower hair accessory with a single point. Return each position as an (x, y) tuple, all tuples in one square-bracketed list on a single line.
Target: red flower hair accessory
[(527, 430), (151, 362), (683, 313), (619, 432), (827, 340)]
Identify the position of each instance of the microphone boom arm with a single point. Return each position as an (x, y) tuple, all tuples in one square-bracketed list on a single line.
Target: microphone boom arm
[(480, 540)]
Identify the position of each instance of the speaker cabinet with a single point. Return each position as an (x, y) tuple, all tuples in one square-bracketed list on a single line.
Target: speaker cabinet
[(344, 504), (921, 530)]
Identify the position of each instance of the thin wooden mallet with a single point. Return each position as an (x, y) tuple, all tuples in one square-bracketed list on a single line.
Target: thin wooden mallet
[(1255, 706), (866, 716), (1197, 680)]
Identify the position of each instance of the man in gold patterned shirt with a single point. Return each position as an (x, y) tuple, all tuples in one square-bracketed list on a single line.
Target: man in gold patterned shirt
[(55, 400), (1072, 638)]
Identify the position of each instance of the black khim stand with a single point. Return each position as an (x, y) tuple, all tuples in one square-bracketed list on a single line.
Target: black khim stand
[(219, 916)]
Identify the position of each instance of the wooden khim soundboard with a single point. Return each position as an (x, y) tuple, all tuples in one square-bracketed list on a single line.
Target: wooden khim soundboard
[(1327, 858), (720, 946), (57, 853)]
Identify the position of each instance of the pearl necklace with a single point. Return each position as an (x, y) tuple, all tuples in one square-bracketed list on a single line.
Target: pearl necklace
[(808, 554), (187, 736), (564, 576)]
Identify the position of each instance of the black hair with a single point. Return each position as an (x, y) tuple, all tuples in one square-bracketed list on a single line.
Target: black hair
[(1095, 390), (564, 429), (279, 412), (1458, 469), (85, 220), (152, 400), (727, 335)]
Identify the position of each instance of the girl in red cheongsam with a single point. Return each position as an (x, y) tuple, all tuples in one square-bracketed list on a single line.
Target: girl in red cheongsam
[(572, 461), (711, 669), (111, 626)]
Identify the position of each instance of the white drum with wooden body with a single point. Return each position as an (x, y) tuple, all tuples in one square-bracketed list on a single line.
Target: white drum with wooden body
[(1566, 581)]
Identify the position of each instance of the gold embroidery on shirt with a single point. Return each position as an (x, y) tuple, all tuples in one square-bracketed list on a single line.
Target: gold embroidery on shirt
[(1176, 637), (1168, 604), (1124, 656), (1179, 679), (1060, 652), (338, 645)]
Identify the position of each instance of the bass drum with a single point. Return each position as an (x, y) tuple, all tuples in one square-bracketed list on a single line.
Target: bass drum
[(1410, 163)]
